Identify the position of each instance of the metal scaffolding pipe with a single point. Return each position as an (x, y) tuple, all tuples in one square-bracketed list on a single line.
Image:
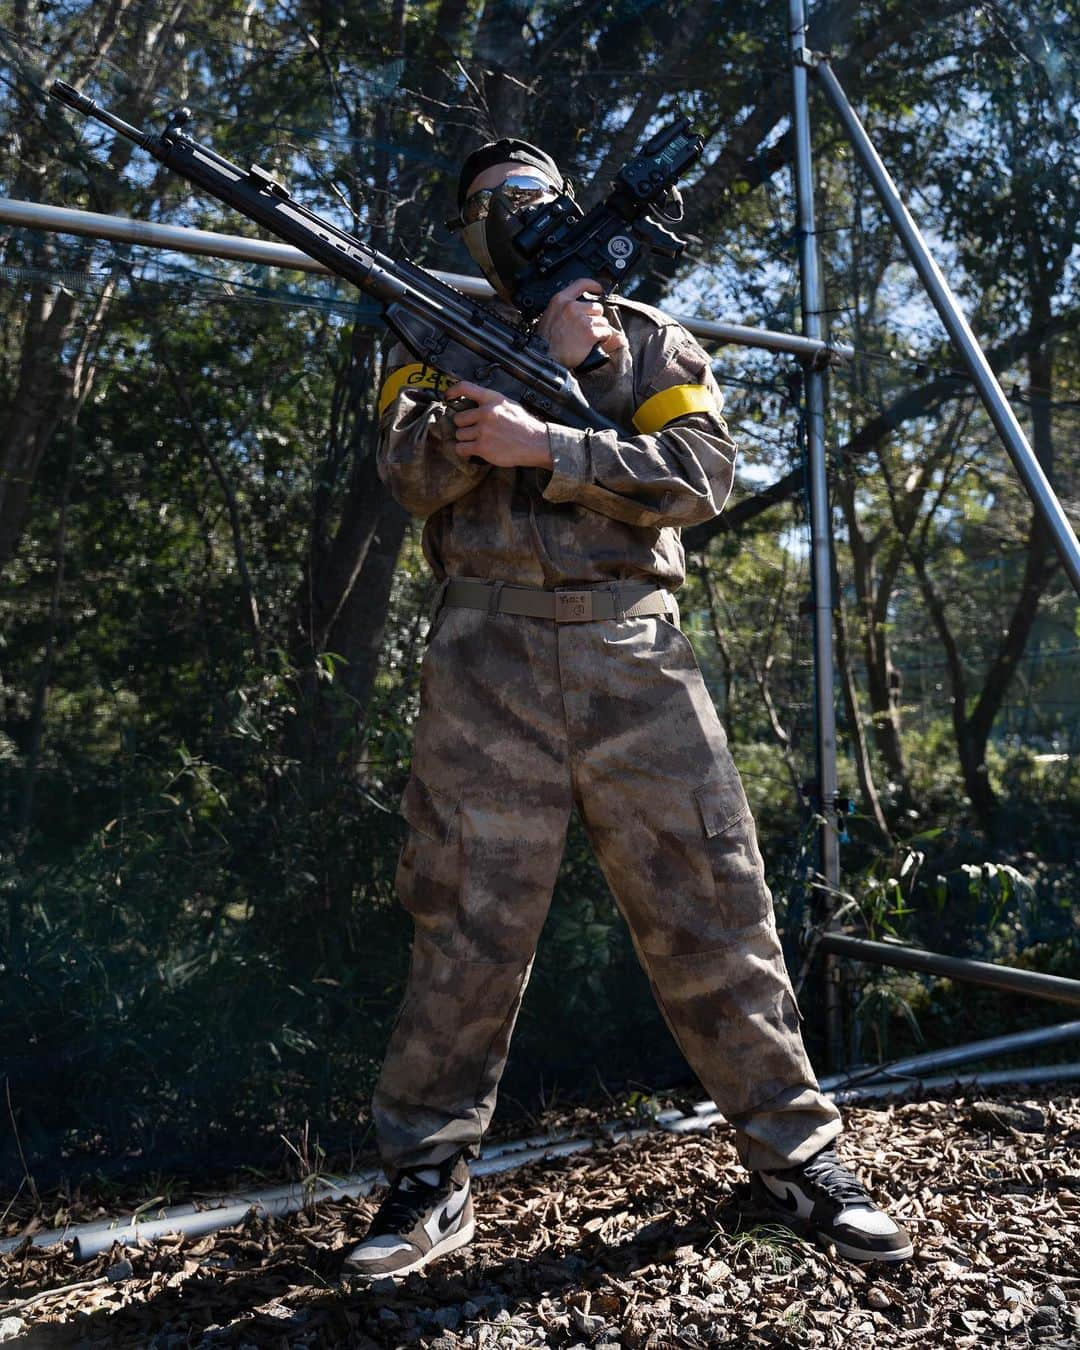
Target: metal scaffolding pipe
[(149, 234), (990, 391), (90, 1239), (705, 1114), (194, 1221), (990, 1048), (1033, 982), (820, 524), (964, 1082), (266, 253)]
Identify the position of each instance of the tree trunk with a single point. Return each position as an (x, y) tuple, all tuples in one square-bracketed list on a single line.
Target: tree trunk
[(41, 394), (1040, 564), (872, 595), (342, 603), (361, 625)]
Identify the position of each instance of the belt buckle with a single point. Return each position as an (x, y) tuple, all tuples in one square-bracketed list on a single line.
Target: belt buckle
[(573, 606)]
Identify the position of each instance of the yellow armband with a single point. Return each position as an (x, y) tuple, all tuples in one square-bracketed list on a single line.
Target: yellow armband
[(656, 412), (416, 376)]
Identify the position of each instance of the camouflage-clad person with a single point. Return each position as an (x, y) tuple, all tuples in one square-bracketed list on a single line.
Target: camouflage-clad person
[(556, 678)]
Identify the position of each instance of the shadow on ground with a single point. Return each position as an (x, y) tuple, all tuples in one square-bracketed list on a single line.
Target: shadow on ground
[(648, 1243)]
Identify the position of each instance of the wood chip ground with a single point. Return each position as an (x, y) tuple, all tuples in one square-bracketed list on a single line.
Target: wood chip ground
[(651, 1243)]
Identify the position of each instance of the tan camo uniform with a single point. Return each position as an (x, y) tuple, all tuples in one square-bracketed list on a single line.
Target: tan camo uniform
[(524, 719)]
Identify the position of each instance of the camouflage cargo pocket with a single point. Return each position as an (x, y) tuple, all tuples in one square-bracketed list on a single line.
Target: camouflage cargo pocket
[(731, 845)]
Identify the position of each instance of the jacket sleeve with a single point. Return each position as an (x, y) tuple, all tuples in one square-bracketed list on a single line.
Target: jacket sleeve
[(680, 470), (417, 458)]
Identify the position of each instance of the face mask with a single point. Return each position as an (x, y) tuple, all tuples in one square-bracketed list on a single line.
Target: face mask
[(493, 217)]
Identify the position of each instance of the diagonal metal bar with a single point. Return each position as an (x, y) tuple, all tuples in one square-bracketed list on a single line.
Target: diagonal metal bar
[(208, 1216), (1034, 982), (997, 405), (705, 1113)]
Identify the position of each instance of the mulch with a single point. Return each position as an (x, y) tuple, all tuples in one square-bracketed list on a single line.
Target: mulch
[(650, 1243)]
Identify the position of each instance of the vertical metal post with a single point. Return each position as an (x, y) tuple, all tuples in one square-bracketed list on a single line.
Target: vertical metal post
[(1001, 414), (820, 531)]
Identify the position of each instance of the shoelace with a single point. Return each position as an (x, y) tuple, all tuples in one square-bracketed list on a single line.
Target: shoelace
[(829, 1173), (409, 1198)]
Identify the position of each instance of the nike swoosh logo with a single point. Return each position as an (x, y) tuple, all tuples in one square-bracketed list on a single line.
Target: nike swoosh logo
[(446, 1218), (443, 1219), (786, 1198)]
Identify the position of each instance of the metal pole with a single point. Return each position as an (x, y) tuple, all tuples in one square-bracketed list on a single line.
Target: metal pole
[(207, 243), (97, 1236), (1042, 1073), (990, 391), (958, 1054), (704, 1114), (1033, 982), (820, 531)]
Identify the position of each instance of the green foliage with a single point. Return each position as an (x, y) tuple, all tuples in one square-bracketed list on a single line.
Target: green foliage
[(198, 790), (765, 1248)]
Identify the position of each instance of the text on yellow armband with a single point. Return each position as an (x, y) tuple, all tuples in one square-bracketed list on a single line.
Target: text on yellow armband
[(656, 412), (416, 376)]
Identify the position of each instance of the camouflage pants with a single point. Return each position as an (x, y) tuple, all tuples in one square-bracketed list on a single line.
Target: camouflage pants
[(521, 721)]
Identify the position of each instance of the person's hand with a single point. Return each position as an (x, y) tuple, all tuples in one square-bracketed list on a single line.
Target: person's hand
[(498, 429), (572, 327)]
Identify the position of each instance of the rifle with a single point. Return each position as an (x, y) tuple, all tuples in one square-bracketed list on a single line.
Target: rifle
[(454, 334)]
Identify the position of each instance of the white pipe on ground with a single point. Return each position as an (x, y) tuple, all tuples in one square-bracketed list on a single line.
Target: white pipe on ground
[(196, 1221), (193, 1221)]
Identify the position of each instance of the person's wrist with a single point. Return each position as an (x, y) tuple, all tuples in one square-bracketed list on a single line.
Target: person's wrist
[(539, 453)]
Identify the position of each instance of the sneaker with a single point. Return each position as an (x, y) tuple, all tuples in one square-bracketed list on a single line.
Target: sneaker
[(834, 1205), (427, 1213)]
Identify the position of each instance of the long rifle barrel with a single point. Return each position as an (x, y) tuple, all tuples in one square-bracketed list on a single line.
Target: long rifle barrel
[(442, 327), (68, 94)]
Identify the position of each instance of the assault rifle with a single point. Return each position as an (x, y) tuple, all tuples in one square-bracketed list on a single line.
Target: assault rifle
[(444, 329)]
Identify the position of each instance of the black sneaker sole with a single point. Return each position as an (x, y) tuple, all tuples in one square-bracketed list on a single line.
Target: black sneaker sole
[(863, 1254)]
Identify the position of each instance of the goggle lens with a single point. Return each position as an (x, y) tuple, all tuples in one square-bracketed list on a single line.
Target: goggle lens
[(517, 191)]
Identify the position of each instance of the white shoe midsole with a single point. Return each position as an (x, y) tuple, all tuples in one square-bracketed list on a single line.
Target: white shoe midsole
[(450, 1243)]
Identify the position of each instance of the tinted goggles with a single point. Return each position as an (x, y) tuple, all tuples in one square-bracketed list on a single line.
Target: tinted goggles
[(518, 191)]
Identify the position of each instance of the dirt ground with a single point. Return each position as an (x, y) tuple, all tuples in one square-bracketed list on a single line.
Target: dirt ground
[(647, 1243)]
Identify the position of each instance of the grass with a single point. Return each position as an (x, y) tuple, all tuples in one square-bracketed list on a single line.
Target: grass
[(764, 1246)]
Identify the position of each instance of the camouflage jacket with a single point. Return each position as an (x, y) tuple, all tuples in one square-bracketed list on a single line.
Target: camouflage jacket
[(611, 508)]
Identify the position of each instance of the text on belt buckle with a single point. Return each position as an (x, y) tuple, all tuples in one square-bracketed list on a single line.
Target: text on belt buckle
[(573, 606)]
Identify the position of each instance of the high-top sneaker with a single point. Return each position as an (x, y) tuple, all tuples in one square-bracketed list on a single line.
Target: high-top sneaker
[(427, 1213), (835, 1205)]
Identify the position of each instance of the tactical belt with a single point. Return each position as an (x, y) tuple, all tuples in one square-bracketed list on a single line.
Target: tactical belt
[(620, 600)]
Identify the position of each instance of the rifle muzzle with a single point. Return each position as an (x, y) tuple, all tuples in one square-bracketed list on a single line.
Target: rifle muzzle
[(66, 93)]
